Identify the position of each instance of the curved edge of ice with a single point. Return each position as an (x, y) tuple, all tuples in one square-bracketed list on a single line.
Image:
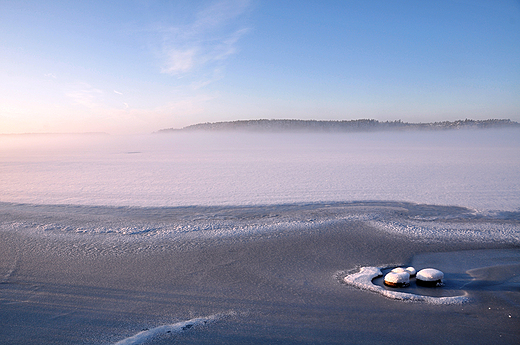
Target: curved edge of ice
[(178, 327), (363, 280)]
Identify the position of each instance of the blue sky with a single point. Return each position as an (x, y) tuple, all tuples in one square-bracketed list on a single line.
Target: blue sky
[(140, 66)]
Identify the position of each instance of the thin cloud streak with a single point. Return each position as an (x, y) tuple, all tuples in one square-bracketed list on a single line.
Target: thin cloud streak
[(86, 95), (207, 40), (93, 106), (219, 13), (179, 61)]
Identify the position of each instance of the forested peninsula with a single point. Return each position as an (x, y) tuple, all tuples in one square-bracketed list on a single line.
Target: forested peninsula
[(361, 125)]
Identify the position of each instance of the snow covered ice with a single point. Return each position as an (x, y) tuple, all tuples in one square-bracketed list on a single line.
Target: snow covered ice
[(128, 236), (475, 169)]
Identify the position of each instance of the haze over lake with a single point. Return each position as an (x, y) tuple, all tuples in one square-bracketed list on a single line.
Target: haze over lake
[(469, 168)]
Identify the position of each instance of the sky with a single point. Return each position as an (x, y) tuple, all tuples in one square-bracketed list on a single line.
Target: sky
[(138, 66)]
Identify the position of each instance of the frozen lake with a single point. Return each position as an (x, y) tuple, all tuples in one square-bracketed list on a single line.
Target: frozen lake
[(472, 168), (233, 238)]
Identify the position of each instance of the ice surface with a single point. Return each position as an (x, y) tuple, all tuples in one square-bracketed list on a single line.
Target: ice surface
[(103, 199), (475, 169), (450, 224)]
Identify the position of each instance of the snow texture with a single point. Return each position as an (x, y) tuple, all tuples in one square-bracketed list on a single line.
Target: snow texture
[(476, 169), (178, 327), (426, 223)]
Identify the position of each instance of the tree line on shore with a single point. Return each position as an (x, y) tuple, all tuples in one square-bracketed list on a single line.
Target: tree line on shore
[(361, 125)]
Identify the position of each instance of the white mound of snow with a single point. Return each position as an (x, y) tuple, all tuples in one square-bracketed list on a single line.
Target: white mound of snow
[(411, 271), (178, 327), (430, 275), (402, 277)]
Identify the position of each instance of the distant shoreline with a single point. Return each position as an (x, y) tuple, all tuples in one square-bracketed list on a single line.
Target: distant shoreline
[(44, 134), (361, 125)]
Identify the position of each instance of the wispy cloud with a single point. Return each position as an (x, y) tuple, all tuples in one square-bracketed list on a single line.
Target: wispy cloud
[(85, 95), (205, 43), (97, 110), (216, 74), (179, 61), (219, 13)]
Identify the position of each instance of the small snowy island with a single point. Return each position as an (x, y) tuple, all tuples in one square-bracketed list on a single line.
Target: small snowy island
[(362, 279)]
